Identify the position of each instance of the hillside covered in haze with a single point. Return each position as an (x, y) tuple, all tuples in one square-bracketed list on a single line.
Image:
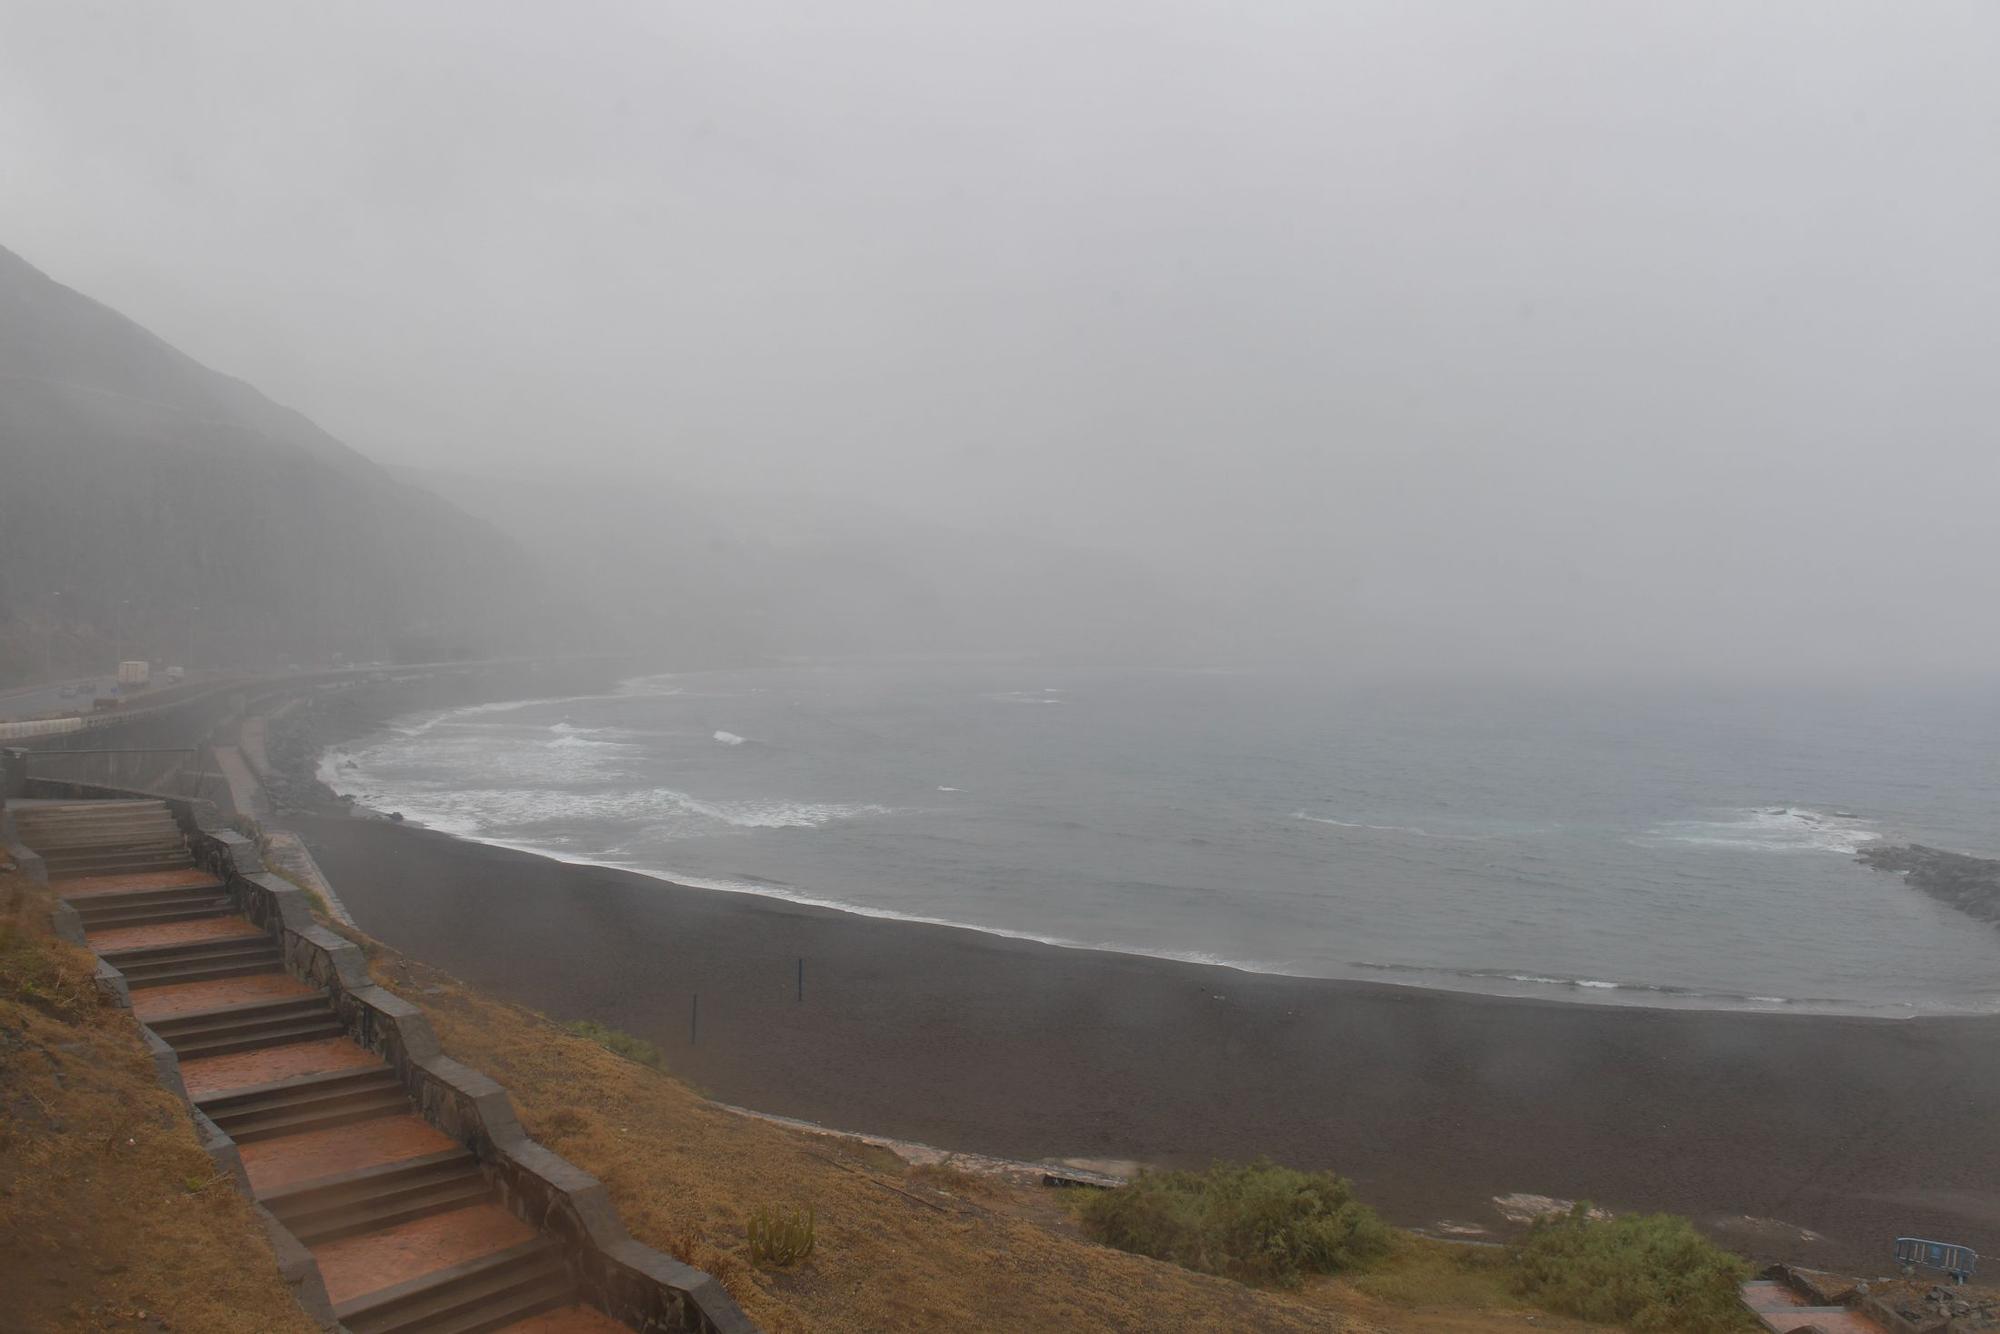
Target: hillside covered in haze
[(726, 577), (152, 507), (145, 497)]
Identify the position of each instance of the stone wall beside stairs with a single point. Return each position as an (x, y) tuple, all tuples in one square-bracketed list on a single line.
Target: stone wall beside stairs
[(627, 1280), (633, 1283)]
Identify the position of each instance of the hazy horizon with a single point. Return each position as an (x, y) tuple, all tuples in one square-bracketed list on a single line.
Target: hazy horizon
[(1547, 340)]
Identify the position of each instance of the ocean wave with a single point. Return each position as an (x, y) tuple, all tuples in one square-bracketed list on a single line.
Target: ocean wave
[(1766, 829), (1637, 990), (578, 741), (426, 723), (1025, 697), (543, 822), (744, 884), (729, 738), (659, 683), (666, 811), (332, 767), (1358, 824)]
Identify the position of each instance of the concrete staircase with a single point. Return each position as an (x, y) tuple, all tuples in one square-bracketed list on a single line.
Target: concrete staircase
[(103, 837), (408, 1231)]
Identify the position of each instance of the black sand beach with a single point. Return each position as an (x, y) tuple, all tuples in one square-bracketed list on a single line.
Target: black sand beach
[(1857, 1129)]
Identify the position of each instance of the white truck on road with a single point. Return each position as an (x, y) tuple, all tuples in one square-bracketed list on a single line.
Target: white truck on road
[(134, 675)]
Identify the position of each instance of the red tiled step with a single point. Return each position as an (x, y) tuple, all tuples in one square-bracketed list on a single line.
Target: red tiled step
[(209, 1077), (131, 938), (86, 887), (188, 998), (276, 1163), (472, 1269), (356, 1266)]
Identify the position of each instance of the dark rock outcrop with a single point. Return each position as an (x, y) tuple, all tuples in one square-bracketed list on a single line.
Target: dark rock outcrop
[(1969, 884)]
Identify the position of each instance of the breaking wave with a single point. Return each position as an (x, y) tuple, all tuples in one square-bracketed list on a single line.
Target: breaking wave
[(1767, 829), (1359, 824), (1528, 983)]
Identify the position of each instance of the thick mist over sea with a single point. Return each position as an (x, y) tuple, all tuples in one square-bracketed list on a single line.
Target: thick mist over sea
[(1692, 848), (1569, 342)]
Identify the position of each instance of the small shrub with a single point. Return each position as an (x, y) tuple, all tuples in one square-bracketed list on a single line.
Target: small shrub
[(1648, 1272), (1256, 1221), (781, 1236), (620, 1043)]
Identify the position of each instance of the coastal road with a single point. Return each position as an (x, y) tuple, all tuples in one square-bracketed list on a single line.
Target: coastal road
[(45, 700)]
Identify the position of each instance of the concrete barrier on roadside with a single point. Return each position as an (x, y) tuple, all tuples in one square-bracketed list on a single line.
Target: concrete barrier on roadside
[(39, 727)]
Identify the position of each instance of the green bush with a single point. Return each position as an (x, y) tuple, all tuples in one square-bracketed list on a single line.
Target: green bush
[(1648, 1272), (620, 1042), (781, 1236), (1256, 1221)]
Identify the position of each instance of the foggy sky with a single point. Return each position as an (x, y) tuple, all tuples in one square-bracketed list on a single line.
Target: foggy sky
[(1631, 338)]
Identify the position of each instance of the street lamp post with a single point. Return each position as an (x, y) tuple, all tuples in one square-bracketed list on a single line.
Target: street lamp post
[(49, 641)]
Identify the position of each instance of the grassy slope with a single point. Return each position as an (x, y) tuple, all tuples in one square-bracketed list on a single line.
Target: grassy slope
[(897, 1249), (111, 1216)]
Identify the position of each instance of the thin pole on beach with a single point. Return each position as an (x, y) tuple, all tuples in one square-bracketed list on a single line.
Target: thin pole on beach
[(802, 981), (694, 1019)]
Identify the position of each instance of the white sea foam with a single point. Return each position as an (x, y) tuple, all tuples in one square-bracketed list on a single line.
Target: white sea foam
[(666, 811), (729, 738), (1358, 824), (1765, 829), (329, 770), (791, 894), (943, 788), (578, 741), (1634, 993), (476, 710), (1592, 983), (1377, 828)]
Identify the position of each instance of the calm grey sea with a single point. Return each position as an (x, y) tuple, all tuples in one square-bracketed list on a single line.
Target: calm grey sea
[(1679, 849)]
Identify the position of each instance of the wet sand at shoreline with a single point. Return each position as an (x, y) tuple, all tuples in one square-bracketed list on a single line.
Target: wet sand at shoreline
[(1434, 1102)]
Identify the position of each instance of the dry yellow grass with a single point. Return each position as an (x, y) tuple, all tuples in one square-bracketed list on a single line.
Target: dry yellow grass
[(111, 1216), (897, 1249)]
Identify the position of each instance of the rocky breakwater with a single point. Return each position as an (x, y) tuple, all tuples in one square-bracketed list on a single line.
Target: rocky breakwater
[(1969, 884)]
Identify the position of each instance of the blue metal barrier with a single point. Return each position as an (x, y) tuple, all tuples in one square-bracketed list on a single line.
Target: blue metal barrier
[(1915, 1253)]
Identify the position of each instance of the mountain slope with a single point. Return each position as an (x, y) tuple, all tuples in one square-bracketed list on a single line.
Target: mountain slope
[(152, 507), (739, 576)]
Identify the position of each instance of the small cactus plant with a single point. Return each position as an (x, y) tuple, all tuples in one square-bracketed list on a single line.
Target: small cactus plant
[(781, 1236)]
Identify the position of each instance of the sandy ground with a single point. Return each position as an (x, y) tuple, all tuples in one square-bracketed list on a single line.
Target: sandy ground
[(1766, 1128)]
